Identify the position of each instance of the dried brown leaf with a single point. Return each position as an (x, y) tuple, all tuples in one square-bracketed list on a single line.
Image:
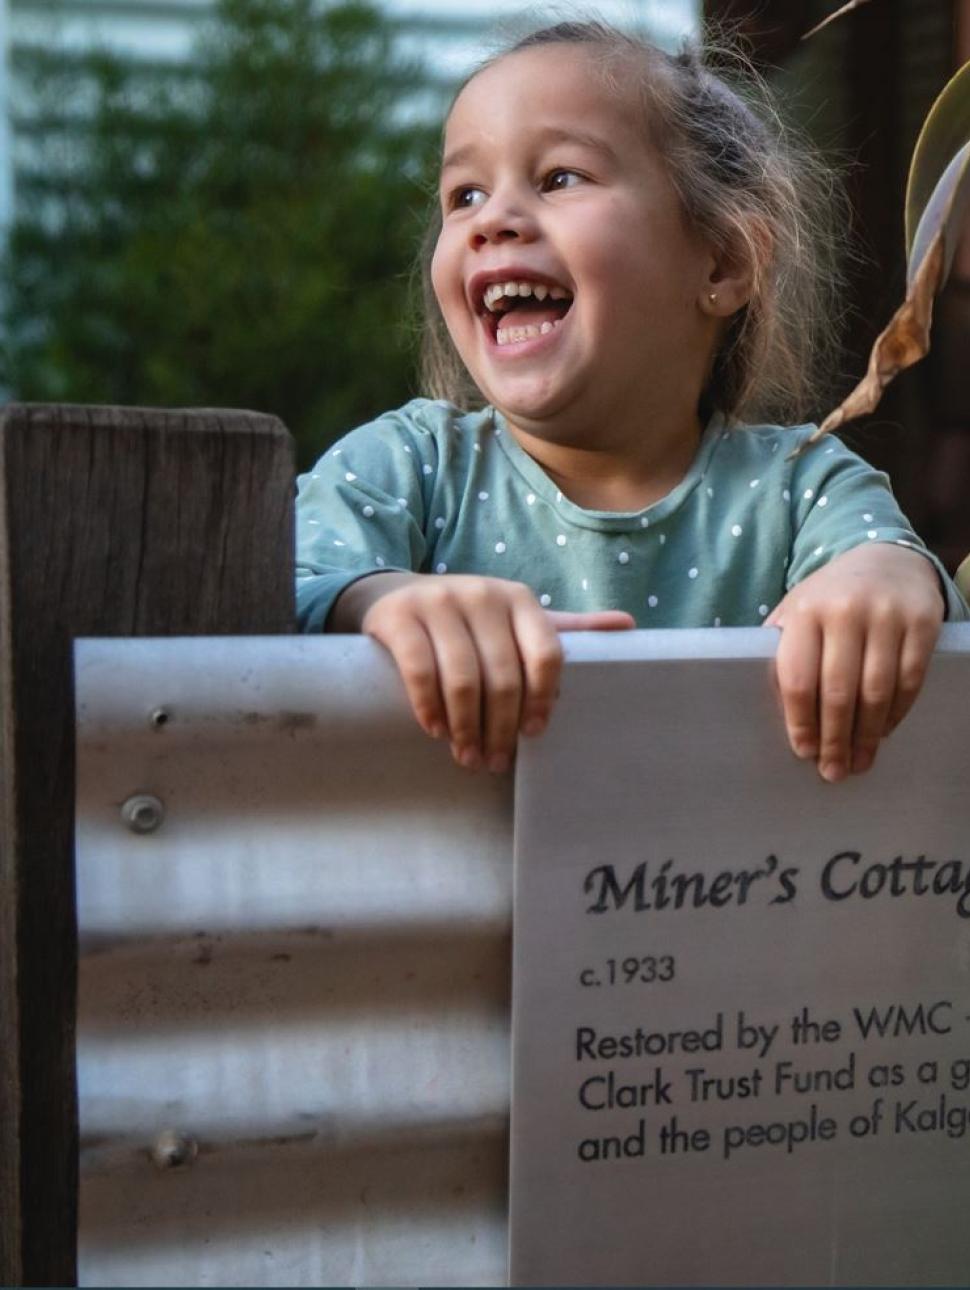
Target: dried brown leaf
[(846, 8), (904, 342)]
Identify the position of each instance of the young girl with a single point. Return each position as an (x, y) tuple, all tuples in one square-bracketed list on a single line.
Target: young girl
[(624, 267)]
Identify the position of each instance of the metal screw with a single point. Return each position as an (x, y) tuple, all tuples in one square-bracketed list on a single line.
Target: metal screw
[(159, 718), (171, 1149), (143, 813)]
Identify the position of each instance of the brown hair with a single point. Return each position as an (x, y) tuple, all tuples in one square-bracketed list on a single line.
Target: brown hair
[(747, 185)]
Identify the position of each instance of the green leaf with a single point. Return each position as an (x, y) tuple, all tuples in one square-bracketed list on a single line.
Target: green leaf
[(945, 132), (944, 214), (963, 578)]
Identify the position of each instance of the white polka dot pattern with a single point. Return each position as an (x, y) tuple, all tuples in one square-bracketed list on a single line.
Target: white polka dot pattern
[(679, 562)]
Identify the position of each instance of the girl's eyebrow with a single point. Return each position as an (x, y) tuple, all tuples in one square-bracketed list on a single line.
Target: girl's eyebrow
[(547, 135), (585, 138), (458, 156)]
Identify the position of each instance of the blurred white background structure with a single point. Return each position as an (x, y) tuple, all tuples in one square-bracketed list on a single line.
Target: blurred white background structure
[(449, 35)]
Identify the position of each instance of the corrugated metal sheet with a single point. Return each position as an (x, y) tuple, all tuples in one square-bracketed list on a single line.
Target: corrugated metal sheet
[(299, 981)]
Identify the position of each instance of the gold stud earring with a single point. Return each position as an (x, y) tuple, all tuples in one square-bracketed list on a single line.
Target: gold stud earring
[(712, 297)]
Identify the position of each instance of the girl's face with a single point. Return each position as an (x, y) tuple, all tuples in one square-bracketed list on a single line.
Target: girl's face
[(548, 183)]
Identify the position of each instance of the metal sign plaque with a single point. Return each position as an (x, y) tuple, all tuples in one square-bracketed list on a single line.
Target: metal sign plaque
[(741, 1002)]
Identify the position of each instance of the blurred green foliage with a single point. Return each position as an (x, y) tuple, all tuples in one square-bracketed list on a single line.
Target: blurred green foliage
[(236, 232)]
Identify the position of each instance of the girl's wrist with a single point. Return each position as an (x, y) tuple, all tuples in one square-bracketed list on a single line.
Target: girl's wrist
[(351, 606)]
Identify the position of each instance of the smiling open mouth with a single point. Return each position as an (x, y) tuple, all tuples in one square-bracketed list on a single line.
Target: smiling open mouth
[(516, 311)]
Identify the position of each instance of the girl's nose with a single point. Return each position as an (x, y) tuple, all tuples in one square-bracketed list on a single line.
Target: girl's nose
[(501, 220)]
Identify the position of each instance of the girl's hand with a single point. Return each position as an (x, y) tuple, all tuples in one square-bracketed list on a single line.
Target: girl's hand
[(856, 641), (479, 658)]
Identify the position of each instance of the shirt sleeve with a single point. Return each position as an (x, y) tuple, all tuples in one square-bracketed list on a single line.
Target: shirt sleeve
[(839, 502), (361, 510)]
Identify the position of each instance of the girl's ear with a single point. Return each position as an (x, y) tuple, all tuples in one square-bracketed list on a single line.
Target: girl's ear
[(733, 271)]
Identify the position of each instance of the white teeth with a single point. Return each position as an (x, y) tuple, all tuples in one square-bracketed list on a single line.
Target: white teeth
[(509, 335), (497, 290)]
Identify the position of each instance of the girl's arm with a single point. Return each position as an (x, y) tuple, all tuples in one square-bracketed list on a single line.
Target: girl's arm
[(862, 614), (479, 657)]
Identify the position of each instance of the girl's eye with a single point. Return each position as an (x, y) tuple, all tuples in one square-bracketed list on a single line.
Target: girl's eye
[(561, 179), (463, 198)]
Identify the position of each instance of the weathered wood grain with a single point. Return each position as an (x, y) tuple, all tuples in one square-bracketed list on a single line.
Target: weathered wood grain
[(113, 522)]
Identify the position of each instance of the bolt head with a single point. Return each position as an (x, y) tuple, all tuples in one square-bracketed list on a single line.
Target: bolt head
[(172, 1149), (143, 813)]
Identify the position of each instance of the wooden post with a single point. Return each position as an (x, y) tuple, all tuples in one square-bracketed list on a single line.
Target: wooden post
[(113, 522)]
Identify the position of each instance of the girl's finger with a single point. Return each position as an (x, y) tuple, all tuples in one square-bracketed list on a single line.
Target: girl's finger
[(843, 648), (602, 620), (502, 682), (797, 665), (414, 657), (877, 688), (459, 677), (541, 653), (914, 659)]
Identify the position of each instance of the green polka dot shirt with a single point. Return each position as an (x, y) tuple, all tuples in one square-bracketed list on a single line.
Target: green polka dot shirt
[(431, 489)]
